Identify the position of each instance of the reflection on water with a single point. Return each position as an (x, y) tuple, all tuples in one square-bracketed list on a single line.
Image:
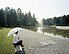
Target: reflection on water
[(32, 28), (52, 31)]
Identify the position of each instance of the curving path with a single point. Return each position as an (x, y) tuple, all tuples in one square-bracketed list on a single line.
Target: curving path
[(36, 43)]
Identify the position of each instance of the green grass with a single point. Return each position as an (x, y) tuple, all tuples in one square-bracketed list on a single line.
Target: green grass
[(6, 46)]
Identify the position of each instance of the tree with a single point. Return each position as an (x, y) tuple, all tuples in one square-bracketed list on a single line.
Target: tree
[(34, 21), (58, 21), (67, 20), (13, 17), (43, 22), (29, 19), (63, 20), (7, 16), (2, 18), (25, 20), (22, 20), (54, 20), (19, 16)]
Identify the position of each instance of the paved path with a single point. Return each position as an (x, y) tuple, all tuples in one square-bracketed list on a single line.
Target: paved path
[(35, 43)]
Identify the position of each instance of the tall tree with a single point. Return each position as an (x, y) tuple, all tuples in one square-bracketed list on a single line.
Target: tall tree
[(29, 19), (13, 17), (7, 16), (2, 18), (54, 20), (25, 20), (22, 19), (19, 16), (34, 21)]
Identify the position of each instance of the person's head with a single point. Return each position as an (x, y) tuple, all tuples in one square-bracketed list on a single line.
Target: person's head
[(16, 32)]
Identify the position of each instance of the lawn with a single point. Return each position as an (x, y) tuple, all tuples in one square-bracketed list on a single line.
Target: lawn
[(6, 46)]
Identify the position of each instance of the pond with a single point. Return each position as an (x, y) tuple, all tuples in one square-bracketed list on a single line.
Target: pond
[(52, 31)]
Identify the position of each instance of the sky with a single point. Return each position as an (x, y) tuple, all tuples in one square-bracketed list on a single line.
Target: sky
[(41, 8)]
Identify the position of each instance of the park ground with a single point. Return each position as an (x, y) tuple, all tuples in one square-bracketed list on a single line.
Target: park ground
[(34, 43), (6, 46)]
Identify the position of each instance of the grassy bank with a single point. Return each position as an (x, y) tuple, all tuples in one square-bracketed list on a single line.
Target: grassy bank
[(6, 46)]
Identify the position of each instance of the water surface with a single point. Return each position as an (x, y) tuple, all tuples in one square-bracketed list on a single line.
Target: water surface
[(52, 31)]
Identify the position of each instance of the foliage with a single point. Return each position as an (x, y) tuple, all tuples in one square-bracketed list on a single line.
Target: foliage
[(58, 21), (2, 18), (12, 18)]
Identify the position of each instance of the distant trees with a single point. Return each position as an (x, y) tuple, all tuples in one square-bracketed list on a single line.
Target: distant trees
[(58, 21), (47, 21), (12, 18)]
